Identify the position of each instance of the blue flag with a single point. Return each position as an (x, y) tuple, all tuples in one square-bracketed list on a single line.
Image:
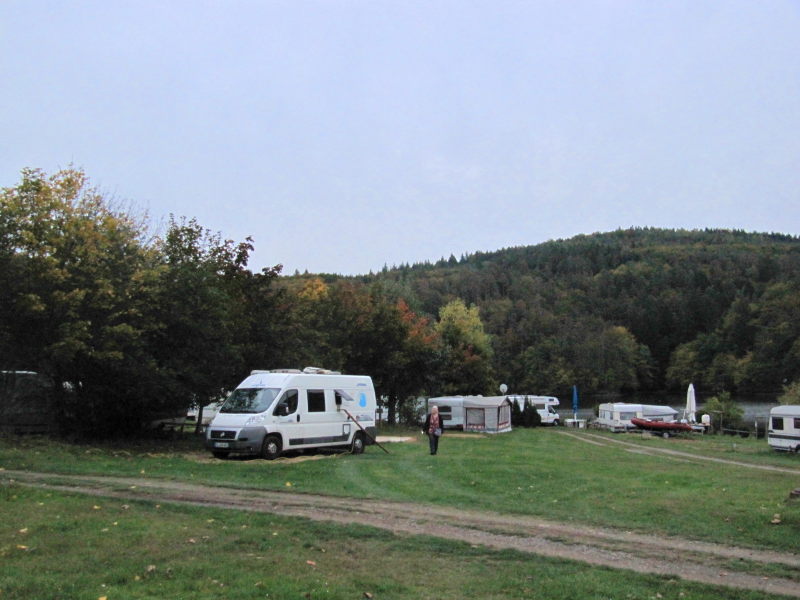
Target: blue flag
[(575, 399)]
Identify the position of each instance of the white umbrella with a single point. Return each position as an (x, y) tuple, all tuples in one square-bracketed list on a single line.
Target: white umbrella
[(691, 404)]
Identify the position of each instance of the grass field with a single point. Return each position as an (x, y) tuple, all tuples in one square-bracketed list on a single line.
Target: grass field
[(55, 545)]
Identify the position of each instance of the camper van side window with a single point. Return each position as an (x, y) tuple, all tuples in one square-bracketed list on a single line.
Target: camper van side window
[(316, 401), (797, 422), (777, 423), (287, 404)]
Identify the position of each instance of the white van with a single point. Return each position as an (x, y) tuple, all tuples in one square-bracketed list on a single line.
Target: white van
[(274, 411), (544, 405), (784, 428)]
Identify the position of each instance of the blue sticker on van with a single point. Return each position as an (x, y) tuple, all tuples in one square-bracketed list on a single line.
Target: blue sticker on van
[(362, 401)]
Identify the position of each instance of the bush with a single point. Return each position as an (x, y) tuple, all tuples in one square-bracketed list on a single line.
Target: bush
[(531, 416), (725, 412), (516, 415)]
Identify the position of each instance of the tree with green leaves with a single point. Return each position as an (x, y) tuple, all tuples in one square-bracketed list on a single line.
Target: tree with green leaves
[(466, 351), (415, 365), (516, 415), (78, 281), (776, 349), (129, 329), (205, 309), (724, 411), (531, 416)]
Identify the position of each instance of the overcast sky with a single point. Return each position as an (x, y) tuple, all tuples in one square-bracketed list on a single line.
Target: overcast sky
[(344, 134)]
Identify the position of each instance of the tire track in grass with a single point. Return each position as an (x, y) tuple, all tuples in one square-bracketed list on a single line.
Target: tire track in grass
[(673, 557), (593, 438)]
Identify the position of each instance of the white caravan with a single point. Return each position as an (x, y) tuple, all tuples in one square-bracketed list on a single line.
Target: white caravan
[(544, 405), (274, 411), (451, 409), (617, 416), (784, 428)]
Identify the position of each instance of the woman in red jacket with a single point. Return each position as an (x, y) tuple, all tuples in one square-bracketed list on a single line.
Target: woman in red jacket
[(433, 428)]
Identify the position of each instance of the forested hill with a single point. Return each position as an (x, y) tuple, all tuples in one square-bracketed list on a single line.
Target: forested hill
[(630, 309)]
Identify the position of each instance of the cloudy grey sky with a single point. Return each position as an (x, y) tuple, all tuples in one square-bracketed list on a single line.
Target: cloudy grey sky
[(345, 134)]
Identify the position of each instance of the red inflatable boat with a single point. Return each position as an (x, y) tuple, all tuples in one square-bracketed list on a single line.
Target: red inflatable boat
[(661, 427)]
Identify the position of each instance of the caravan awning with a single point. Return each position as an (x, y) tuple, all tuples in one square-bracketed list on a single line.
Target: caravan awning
[(485, 401)]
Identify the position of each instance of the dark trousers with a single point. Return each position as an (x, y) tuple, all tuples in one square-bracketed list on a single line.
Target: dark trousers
[(434, 442)]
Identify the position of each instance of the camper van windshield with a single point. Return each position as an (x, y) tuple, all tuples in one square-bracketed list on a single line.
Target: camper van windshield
[(249, 400)]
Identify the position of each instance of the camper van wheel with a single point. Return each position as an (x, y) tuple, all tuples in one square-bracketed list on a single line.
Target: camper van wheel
[(556, 423), (358, 444), (271, 448), (220, 455)]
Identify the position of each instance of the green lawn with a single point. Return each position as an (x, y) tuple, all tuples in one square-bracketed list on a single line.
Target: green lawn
[(56, 545), (532, 472), (73, 547)]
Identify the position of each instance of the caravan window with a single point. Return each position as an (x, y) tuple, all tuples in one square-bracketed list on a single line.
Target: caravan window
[(249, 400), (627, 416), (777, 423), (797, 422), (476, 417), (316, 401)]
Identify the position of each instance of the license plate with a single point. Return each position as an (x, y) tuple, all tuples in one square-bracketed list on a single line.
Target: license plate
[(221, 445)]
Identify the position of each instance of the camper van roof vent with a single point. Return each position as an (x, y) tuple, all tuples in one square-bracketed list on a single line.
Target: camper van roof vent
[(319, 371)]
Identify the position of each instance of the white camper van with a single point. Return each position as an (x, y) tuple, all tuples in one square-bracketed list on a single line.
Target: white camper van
[(544, 405), (274, 411), (616, 416), (451, 409), (784, 428)]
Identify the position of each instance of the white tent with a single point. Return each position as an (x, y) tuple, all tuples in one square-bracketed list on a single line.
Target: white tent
[(491, 414)]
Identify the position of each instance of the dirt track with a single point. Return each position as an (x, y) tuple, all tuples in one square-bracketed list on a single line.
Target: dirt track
[(601, 440), (678, 558)]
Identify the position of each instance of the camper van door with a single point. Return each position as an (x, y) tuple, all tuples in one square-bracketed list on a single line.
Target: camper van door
[(322, 424)]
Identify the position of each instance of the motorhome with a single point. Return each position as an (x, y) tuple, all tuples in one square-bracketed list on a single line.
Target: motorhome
[(544, 405), (616, 416), (271, 412), (451, 409), (784, 428)]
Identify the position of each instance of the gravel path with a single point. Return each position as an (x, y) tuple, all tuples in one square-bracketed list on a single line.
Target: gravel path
[(674, 557)]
